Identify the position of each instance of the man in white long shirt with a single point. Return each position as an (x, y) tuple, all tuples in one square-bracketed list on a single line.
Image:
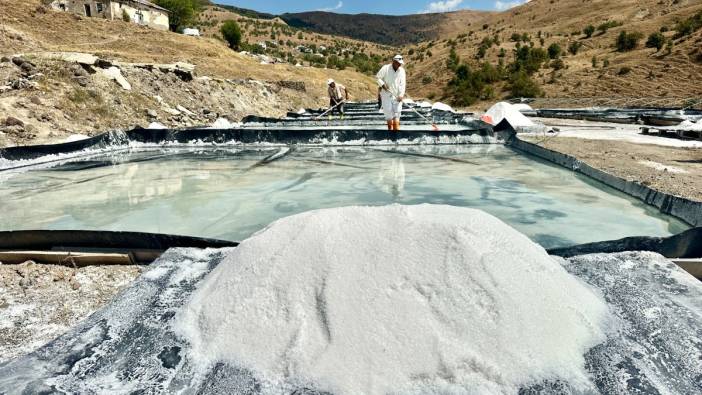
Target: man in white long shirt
[(392, 82)]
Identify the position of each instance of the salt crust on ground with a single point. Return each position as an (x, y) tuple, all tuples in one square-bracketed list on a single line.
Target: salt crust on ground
[(412, 299)]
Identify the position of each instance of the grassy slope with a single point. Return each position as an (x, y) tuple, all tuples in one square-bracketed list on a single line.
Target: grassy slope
[(653, 74), (22, 29)]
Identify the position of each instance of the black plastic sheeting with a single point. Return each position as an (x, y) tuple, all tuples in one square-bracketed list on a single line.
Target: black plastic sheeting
[(649, 116), (314, 135), (687, 244), (62, 240)]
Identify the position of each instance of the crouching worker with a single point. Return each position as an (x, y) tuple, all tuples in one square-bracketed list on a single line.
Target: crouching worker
[(392, 83), (338, 95)]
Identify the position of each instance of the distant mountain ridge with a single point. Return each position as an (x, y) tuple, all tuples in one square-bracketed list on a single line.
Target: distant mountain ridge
[(382, 29)]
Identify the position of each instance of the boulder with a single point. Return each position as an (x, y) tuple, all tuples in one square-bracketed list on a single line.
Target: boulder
[(115, 74), (12, 121)]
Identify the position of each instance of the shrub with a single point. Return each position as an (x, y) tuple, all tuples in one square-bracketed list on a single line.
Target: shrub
[(689, 25), (627, 41), (554, 51), (521, 85), (607, 25), (232, 34), (529, 59), (125, 16), (656, 40), (516, 37), (558, 64), (589, 31), (624, 70), (574, 47), (594, 62)]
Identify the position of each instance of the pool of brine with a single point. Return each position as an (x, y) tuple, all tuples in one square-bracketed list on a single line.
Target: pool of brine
[(232, 193)]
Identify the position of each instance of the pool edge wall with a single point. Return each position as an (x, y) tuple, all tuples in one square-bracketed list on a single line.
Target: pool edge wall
[(687, 210)]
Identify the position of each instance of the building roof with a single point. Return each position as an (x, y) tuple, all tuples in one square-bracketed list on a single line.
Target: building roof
[(145, 3)]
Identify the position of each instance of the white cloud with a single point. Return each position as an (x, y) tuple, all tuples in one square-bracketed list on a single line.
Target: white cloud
[(328, 9), (506, 5), (443, 6)]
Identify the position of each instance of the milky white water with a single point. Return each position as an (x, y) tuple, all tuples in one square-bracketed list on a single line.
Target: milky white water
[(230, 194)]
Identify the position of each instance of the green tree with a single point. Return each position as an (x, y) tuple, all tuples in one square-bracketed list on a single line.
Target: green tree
[(656, 40), (554, 51), (521, 85), (232, 34), (182, 12), (589, 31), (627, 41), (453, 60)]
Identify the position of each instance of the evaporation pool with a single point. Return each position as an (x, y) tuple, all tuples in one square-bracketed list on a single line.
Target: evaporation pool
[(232, 193)]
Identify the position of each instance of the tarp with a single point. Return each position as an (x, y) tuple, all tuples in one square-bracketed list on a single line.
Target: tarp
[(522, 107), (505, 111), (442, 107)]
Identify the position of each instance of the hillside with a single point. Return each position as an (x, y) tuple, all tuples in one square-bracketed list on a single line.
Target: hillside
[(642, 72), (384, 29), (387, 30), (274, 38), (54, 98)]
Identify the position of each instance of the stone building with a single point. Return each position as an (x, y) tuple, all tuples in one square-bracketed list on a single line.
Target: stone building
[(141, 12)]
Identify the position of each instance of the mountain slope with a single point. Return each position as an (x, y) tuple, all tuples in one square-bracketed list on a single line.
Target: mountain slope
[(642, 72)]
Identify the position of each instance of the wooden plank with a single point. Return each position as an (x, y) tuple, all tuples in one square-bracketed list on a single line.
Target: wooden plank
[(692, 266), (78, 259)]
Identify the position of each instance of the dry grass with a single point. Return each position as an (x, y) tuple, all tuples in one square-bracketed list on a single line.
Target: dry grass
[(652, 74), (23, 29)]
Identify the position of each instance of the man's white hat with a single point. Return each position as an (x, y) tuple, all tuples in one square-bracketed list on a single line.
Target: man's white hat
[(398, 59), (330, 81)]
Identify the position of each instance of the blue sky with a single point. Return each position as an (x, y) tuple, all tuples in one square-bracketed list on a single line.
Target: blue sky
[(396, 7)]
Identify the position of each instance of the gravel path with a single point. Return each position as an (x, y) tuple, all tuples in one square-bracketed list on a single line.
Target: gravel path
[(40, 302)]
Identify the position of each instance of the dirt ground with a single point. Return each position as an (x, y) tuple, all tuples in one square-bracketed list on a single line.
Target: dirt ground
[(40, 302), (673, 170)]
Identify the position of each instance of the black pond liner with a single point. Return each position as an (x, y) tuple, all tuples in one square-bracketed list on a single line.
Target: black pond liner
[(248, 135), (645, 115), (687, 244)]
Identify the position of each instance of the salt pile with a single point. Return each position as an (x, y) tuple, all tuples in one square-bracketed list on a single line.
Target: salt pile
[(395, 299)]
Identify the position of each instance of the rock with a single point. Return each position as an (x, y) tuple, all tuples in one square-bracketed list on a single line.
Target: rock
[(35, 100), (5, 59), (82, 81), (185, 110), (115, 74), (294, 85), (75, 284), (151, 113), (171, 111), (74, 57), (12, 121)]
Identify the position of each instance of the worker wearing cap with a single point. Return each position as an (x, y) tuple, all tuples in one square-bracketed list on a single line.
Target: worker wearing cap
[(338, 95), (392, 82)]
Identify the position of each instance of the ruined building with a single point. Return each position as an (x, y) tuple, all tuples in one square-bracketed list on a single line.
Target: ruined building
[(138, 11)]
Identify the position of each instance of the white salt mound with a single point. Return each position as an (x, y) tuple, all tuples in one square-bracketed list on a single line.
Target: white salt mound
[(395, 299)]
